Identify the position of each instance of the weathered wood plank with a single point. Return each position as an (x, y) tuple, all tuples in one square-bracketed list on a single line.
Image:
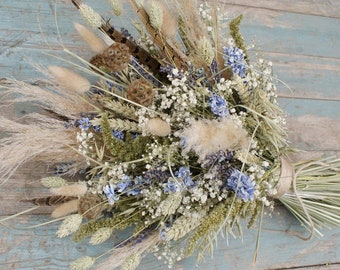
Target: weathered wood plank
[(279, 249), (328, 8)]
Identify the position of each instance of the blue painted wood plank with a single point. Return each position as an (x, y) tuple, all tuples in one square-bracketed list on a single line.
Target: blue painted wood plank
[(40, 249)]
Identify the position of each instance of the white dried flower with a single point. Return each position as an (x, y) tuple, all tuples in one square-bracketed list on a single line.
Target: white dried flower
[(82, 263), (131, 262), (70, 80), (101, 236), (53, 182), (117, 7), (69, 225), (205, 51), (95, 43), (158, 127), (93, 18), (155, 12)]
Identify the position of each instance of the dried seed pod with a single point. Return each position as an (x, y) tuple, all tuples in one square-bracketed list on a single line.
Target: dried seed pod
[(140, 91), (90, 206), (115, 58)]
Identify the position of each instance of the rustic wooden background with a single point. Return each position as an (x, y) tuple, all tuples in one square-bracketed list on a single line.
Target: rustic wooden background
[(301, 38)]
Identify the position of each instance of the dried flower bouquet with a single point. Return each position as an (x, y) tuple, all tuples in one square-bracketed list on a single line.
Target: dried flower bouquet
[(180, 137)]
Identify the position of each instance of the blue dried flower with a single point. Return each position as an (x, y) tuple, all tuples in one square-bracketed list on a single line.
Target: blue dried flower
[(185, 175), (84, 123), (109, 191), (218, 106), (241, 184), (126, 181), (172, 186), (118, 134), (234, 58)]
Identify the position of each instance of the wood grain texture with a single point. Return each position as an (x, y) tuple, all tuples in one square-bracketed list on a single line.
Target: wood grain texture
[(301, 38)]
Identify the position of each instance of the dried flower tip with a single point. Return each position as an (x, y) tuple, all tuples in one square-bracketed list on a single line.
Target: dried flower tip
[(131, 262), (65, 209), (117, 7), (155, 12), (82, 263), (115, 58), (205, 51), (95, 43), (140, 91), (158, 127), (69, 225), (101, 236), (69, 79), (70, 190), (53, 182), (90, 206), (92, 18)]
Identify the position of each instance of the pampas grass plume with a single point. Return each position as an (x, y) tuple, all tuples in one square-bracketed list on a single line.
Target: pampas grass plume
[(206, 137), (65, 209), (95, 43), (70, 190), (70, 80)]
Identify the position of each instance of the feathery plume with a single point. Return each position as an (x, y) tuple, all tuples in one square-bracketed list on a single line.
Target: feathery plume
[(206, 137), (65, 209), (70, 190), (58, 101), (69, 79), (95, 43), (21, 144)]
